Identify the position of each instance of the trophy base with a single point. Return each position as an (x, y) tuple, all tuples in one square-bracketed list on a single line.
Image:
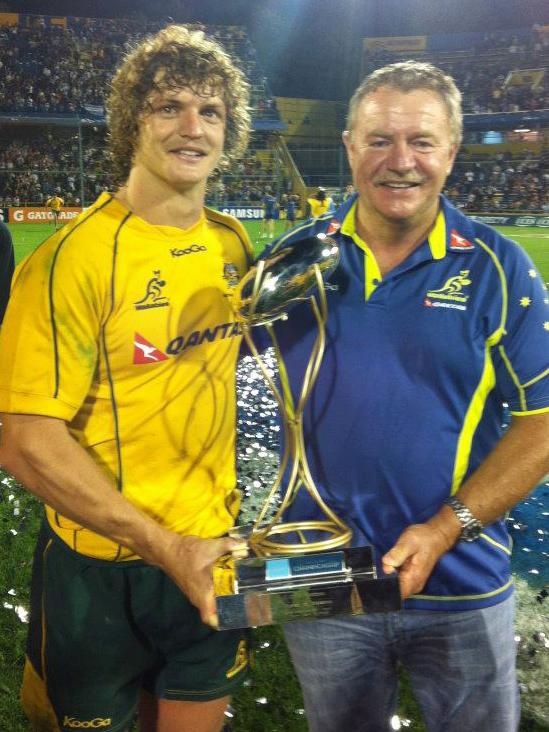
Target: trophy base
[(271, 590)]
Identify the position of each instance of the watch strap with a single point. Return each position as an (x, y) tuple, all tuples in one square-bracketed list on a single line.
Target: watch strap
[(471, 527)]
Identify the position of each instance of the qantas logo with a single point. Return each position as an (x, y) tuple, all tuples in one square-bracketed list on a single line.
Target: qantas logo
[(145, 352), (459, 242), (333, 227), (198, 337)]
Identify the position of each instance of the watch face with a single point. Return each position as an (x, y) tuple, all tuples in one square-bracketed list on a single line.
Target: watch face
[(471, 531)]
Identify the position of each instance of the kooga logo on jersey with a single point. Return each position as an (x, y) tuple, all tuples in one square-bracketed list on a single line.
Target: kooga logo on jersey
[(189, 250), (91, 724)]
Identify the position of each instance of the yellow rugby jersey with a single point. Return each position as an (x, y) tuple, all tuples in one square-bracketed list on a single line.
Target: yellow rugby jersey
[(55, 203), (124, 330), (319, 207)]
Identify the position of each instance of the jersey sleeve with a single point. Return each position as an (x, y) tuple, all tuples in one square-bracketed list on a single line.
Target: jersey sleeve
[(49, 342), (522, 358)]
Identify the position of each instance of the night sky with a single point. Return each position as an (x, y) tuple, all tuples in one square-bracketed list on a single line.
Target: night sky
[(311, 48)]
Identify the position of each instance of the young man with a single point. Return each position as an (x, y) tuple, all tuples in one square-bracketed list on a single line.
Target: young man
[(434, 323), (6, 267), (55, 204), (120, 410)]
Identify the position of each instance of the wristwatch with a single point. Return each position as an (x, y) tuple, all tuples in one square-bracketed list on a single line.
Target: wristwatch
[(470, 526)]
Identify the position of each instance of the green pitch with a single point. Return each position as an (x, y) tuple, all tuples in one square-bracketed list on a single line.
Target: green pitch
[(273, 680), (26, 237)]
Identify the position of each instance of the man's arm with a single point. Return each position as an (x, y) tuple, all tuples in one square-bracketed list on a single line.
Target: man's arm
[(515, 466), (44, 457)]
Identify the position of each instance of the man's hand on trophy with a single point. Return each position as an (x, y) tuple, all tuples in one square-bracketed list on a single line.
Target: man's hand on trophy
[(189, 561), (414, 556)]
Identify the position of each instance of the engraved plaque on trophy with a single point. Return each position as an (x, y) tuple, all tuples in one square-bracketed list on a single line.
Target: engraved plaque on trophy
[(304, 569)]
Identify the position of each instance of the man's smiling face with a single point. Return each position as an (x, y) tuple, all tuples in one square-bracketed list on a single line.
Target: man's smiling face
[(400, 151), (181, 137)]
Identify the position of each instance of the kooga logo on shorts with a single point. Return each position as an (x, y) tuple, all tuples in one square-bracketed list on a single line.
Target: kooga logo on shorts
[(91, 724)]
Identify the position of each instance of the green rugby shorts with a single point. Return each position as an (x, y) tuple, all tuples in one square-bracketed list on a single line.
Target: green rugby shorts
[(100, 632)]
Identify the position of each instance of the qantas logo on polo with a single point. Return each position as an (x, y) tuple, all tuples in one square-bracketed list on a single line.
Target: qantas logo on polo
[(459, 242), (145, 352)]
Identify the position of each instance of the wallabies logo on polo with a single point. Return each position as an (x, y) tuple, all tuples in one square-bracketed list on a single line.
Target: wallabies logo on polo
[(452, 289)]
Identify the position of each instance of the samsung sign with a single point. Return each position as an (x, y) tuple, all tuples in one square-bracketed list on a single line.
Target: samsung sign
[(240, 212)]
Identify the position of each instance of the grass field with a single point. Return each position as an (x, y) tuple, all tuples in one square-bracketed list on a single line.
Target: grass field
[(26, 238), (271, 702)]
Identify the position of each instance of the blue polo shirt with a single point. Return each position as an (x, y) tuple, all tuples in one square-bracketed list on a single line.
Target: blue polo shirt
[(410, 396)]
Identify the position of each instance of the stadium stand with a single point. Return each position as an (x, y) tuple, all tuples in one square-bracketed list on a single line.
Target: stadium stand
[(54, 73), (505, 87)]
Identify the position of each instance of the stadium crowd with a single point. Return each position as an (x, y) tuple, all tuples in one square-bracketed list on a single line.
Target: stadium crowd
[(502, 183), (53, 69), (46, 161), (41, 162), (486, 85), (56, 70)]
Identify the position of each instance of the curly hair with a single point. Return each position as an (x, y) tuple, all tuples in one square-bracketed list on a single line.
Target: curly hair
[(407, 76), (174, 58)]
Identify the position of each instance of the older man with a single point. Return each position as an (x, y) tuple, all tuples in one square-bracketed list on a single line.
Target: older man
[(435, 322)]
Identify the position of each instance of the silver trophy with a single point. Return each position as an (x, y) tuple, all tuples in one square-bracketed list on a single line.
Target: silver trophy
[(317, 574)]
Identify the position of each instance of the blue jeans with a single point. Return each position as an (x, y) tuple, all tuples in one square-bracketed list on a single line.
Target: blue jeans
[(461, 667)]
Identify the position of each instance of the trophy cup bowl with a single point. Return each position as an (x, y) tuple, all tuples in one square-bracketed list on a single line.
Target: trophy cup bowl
[(284, 580)]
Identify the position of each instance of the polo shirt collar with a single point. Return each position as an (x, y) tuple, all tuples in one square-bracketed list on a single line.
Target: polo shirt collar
[(437, 239)]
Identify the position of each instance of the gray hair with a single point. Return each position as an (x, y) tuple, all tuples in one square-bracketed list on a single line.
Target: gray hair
[(407, 76)]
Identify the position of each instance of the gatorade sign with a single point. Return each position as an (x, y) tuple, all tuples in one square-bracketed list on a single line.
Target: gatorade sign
[(42, 215)]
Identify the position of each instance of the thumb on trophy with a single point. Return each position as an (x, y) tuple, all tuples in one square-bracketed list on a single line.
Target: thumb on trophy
[(240, 550)]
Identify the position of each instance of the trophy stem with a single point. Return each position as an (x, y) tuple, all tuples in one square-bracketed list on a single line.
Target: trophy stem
[(294, 448)]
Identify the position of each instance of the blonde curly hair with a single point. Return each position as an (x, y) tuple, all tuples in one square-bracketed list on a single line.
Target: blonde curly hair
[(174, 58)]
